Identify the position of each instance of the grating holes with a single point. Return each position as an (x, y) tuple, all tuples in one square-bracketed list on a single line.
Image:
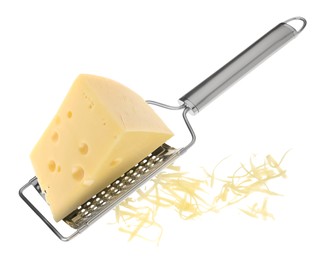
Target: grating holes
[(83, 210), (88, 203), (79, 208), (115, 190), (97, 199)]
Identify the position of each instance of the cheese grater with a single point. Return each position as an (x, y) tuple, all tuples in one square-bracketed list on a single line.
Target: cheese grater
[(192, 102)]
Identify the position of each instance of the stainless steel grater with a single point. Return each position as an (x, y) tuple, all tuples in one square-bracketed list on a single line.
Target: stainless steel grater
[(193, 102)]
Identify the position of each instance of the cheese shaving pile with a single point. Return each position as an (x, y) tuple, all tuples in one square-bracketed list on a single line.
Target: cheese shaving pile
[(191, 197)]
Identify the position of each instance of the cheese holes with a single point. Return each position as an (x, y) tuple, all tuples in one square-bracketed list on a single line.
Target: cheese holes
[(78, 173), (115, 162), (55, 137), (51, 165), (83, 148), (69, 114)]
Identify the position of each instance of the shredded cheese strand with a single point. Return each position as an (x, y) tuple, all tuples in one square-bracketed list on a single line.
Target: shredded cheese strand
[(189, 197)]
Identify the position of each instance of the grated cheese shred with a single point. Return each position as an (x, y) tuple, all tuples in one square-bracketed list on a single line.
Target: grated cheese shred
[(192, 197)]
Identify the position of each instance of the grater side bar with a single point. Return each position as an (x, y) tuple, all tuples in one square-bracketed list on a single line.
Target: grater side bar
[(33, 182)]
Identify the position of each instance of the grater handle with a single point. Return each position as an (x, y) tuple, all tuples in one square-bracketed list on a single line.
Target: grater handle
[(213, 86)]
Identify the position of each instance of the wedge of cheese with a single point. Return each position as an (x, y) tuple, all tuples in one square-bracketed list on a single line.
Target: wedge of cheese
[(101, 130)]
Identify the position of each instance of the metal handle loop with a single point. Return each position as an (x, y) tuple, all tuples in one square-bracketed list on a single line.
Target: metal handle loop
[(297, 18)]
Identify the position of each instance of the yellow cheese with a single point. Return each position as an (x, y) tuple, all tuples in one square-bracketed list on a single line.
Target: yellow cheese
[(101, 130)]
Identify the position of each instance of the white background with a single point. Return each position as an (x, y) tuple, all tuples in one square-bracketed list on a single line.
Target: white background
[(161, 49)]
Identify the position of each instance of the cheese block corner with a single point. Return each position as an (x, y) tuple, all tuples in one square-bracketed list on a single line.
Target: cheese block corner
[(100, 131)]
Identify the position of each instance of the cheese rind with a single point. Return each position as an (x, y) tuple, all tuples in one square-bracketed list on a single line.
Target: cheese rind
[(101, 130)]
